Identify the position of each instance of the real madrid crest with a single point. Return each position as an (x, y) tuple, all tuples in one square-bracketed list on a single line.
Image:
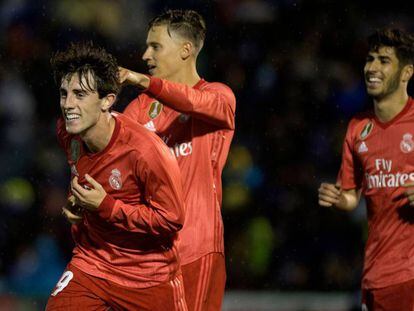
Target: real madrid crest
[(75, 150), (366, 130), (155, 109), (407, 144), (115, 180)]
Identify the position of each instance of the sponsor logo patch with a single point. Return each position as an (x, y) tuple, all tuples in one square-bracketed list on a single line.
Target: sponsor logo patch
[(362, 147), (150, 126)]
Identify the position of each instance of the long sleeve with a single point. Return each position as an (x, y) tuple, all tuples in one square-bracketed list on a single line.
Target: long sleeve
[(350, 174), (214, 103), (163, 210)]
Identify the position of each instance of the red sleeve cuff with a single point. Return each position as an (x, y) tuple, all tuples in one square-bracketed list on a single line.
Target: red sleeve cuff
[(106, 207), (155, 86)]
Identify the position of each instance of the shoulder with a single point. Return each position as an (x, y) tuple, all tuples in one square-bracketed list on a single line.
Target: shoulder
[(217, 86), (138, 104), (140, 101), (136, 135)]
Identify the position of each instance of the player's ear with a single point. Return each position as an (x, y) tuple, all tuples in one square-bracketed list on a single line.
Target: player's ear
[(186, 50), (107, 102), (407, 73)]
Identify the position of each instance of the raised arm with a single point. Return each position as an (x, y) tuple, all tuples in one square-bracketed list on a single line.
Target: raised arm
[(214, 103)]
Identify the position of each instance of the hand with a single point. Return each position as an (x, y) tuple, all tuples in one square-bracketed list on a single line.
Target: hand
[(72, 212), (409, 193), (329, 194), (133, 78), (89, 198)]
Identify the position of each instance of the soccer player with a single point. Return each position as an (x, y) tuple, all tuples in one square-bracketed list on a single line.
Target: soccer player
[(126, 193), (378, 161), (195, 118)]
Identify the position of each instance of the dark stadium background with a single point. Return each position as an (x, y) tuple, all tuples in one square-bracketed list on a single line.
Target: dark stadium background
[(296, 69)]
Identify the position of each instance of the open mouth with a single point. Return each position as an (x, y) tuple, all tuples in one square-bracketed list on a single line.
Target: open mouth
[(151, 68), (71, 116), (373, 81)]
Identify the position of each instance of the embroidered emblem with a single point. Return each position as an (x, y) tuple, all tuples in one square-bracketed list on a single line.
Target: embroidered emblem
[(155, 109), (407, 144), (366, 130), (362, 147), (74, 150), (115, 180)]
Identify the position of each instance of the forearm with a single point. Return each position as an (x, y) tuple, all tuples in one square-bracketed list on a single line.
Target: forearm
[(216, 106), (143, 218)]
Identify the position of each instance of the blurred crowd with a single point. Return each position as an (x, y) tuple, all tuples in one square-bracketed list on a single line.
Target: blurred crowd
[(296, 70)]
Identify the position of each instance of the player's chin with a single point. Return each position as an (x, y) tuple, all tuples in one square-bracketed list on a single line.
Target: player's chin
[(72, 129), (374, 92)]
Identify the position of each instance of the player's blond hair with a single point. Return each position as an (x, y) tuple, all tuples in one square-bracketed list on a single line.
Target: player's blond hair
[(186, 23)]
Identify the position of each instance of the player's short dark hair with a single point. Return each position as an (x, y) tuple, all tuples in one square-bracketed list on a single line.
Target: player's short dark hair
[(402, 41), (87, 60), (187, 23)]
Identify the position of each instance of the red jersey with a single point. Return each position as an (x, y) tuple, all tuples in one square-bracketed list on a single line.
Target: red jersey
[(131, 238), (379, 159), (197, 123)]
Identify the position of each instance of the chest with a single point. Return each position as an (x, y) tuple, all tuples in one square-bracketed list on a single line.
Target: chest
[(112, 170), (386, 150), (177, 130)]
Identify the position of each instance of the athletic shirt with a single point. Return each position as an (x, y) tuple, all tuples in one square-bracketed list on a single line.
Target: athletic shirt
[(379, 159), (197, 123), (131, 238)]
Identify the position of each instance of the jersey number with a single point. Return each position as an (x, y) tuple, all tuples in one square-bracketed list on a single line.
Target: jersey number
[(63, 282)]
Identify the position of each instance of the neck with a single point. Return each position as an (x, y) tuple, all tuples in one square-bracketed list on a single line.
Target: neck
[(98, 137), (187, 75), (388, 107)]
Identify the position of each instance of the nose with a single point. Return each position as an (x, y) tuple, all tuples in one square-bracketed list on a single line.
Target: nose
[(67, 102), (372, 66), (147, 55)]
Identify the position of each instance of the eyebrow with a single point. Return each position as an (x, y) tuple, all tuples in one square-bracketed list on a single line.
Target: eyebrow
[(153, 43), (76, 91), (381, 57)]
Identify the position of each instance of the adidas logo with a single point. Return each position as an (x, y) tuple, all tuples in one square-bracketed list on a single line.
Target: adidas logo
[(362, 148), (150, 126)]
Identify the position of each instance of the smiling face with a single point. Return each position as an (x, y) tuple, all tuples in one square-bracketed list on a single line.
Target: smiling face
[(382, 72), (82, 109), (164, 52)]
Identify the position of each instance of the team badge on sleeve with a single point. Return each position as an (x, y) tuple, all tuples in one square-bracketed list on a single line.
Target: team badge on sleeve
[(155, 109), (366, 130), (407, 144), (115, 180)]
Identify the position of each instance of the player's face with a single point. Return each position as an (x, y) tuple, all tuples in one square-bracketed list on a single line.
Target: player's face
[(81, 107), (382, 72), (163, 53)]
